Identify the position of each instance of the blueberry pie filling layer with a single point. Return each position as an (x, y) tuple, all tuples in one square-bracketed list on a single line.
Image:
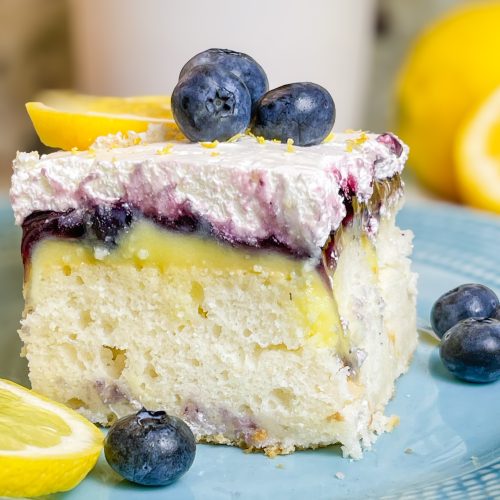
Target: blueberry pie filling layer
[(260, 291)]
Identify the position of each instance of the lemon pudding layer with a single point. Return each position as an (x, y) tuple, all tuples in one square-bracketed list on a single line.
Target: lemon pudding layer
[(260, 291)]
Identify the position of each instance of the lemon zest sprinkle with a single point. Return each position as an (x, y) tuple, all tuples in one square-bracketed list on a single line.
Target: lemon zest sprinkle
[(329, 137), (214, 153), (289, 146), (137, 140), (165, 150), (260, 139), (74, 151), (235, 138), (209, 145), (277, 141), (351, 144)]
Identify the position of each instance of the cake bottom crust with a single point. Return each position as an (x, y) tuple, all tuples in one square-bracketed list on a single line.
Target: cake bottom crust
[(250, 349)]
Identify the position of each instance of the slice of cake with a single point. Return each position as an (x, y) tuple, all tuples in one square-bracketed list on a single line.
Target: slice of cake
[(260, 291)]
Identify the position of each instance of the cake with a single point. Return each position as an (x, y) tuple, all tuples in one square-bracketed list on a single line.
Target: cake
[(260, 291)]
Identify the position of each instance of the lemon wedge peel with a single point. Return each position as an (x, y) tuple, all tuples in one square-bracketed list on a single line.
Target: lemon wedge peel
[(56, 464), (80, 124), (476, 155)]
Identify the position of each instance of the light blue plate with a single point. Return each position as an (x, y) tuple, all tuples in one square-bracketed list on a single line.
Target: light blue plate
[(446, 446)]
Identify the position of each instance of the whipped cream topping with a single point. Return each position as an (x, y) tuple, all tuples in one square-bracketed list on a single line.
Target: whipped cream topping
[(248, 190)]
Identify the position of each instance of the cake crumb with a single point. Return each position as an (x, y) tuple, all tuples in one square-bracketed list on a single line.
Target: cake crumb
[(340, 475), (408, 451), (393, 422), (280, 466)]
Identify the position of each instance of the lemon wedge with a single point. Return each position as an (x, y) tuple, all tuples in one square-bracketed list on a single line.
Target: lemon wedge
[(45, 447), (154, 106), (68, 120), (477, 155), (450, 69)]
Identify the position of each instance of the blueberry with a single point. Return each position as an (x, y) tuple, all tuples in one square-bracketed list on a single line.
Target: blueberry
[(471, 350), (496, 313), (304, 112), (150, 448), (242, 65), (108, 221), (466, 301), (210, 103)]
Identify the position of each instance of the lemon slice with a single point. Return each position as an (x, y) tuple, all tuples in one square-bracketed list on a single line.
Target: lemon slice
[(67, 120), (154, 106), (45, 447), (477, 154)]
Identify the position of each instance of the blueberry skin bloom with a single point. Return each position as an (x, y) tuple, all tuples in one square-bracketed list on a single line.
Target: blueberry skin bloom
[(249, 71), (471, 350), (210, 103), (150, 448), (466, 301), (304, 112)]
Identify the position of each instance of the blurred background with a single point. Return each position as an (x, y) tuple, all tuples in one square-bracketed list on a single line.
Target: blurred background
[(426, 69)]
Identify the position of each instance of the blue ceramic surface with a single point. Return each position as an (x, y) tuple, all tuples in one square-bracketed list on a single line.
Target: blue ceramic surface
[(446, 446)]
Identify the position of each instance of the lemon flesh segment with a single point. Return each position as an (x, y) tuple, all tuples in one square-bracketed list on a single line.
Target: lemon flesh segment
[(78, 124), (45, 447), (477, 153)]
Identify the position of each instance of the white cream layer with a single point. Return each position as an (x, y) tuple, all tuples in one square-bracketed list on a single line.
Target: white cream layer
[(247, 190)]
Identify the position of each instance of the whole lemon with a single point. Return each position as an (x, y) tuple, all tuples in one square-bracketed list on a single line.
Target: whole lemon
[(450, 69)]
